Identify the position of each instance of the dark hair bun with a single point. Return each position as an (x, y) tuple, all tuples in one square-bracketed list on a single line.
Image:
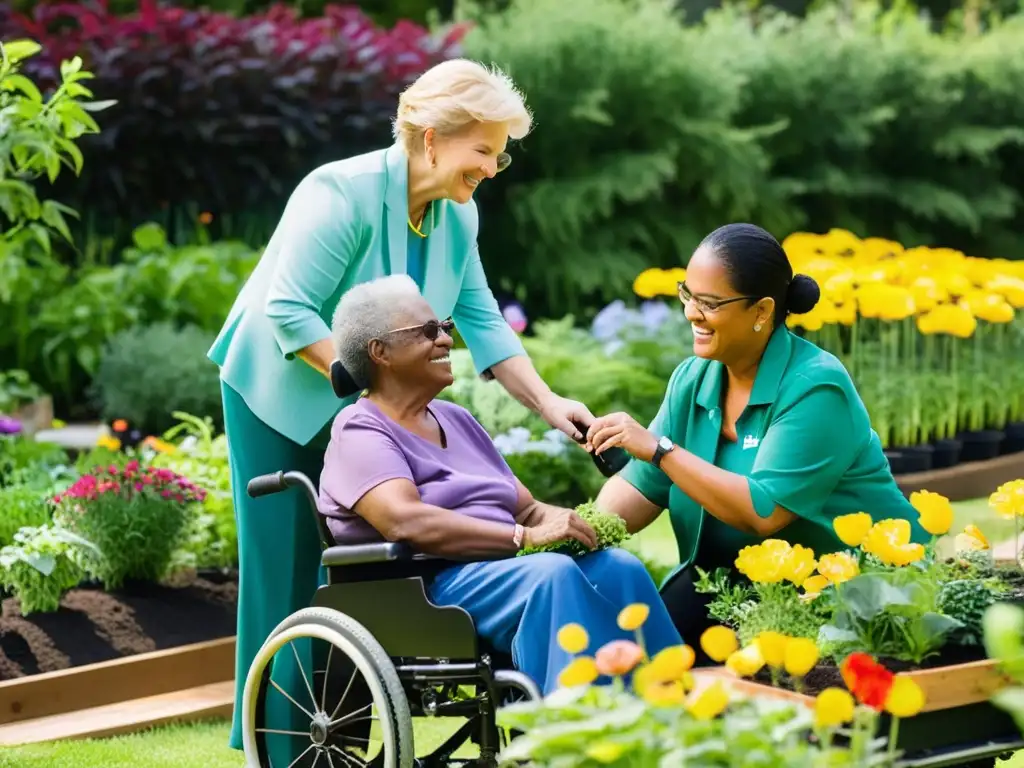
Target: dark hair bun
[(803, 293)]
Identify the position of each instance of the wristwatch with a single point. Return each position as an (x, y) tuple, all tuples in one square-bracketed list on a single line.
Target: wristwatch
[(665, 445)]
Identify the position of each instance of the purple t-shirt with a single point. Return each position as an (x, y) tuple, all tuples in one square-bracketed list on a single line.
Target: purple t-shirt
[(469, 476)]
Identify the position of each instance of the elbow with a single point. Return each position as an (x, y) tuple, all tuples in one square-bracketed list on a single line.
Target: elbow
[(409, 526)]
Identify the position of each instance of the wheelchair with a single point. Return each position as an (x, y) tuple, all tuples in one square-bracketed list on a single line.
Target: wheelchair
[(378, 654)]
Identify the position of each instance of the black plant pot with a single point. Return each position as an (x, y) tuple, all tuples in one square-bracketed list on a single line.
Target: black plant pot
[(898, 463), (916, 458), (1014, 442), (946, 453), (981, 445)]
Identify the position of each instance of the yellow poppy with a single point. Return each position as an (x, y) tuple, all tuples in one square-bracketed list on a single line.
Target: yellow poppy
[(632, 617), (934, 510), (889, 541), (664, 694), (832, 707), (672, 662), (905, 698), (709, 703), (851, 529), (718, 642), (572, 638), (1008, 499), (814, 584), (801, 656), (838, 567), (580, 671), (747, 661), (773, 648)]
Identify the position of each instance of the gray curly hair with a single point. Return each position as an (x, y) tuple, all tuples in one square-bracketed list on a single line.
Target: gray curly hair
[(368, 311)]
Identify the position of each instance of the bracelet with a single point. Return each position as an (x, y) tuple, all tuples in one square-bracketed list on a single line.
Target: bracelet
[(517, 536)]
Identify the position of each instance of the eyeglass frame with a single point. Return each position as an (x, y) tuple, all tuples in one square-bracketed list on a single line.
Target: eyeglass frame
[(447, 325), (507, 160), (702, 305)]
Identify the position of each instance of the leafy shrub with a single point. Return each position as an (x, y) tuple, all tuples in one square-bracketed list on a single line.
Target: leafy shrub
[(148, 372), (26, 462), (16, 390), (21, 507), (554, 471), (40, 566), (135, 516), (610, 530), (201, 95), (212, 539)]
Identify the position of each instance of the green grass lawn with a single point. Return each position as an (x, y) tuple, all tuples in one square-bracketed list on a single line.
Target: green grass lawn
[(204, 745)]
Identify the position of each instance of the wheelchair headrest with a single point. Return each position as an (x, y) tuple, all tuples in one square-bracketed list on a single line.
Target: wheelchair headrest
[(342, 381)]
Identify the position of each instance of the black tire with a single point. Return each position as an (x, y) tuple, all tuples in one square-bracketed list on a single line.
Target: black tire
[(354, 649)]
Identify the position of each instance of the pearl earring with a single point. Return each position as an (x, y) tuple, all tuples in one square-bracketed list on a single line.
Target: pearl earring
[(757, 327)]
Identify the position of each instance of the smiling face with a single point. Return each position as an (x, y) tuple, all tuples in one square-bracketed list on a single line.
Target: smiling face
[(723, 321), (408, 354), (465, 159)]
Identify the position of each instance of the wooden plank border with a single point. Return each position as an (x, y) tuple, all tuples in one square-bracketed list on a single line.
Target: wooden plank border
[(118, 680), (973, 480)]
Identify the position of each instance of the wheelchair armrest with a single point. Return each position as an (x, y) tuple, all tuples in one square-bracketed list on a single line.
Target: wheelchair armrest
[(362, 554)]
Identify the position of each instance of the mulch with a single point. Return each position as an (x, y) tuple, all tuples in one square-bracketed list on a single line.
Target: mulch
[(93, 625)]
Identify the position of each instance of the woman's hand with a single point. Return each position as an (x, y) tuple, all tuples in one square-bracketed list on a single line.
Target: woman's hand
[(621, 430), (557, 528), (560, 413)]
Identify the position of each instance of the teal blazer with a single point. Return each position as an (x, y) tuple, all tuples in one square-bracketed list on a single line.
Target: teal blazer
[(347, 223)]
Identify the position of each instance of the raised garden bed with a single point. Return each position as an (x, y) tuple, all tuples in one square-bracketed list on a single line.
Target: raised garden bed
[(94, 626), (970, 480)]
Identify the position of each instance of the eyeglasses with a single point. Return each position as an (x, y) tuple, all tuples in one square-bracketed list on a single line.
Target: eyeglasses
[(430, 329), (705, 305), (504, 161)]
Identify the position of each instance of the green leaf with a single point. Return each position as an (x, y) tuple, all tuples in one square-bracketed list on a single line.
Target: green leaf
[(21, 83), (868, 595), (97, 106), (17, 50), (76, 91), (53, 216), (149, 237), (42, 563), (69, 68)]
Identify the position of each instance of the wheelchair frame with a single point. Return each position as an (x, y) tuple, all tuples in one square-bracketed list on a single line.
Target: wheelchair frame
[(434, 649)]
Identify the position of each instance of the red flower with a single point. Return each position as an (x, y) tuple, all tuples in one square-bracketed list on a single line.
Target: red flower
[(868, 680)]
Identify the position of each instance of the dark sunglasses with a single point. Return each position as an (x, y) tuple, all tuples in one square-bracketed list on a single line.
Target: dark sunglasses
[(430, 329), (708, 305)]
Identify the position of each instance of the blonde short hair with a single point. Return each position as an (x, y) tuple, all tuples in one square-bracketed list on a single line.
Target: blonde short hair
[(456, 93)]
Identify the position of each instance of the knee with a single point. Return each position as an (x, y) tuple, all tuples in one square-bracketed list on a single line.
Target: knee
[(551, 568), (621, 563)]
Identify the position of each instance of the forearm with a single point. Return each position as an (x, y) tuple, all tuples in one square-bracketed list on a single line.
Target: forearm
[(319, 355), (517, 375), (441, 532), (724, 495)]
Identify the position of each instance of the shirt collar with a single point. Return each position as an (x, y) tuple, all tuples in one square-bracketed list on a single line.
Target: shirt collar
[(766, 382)]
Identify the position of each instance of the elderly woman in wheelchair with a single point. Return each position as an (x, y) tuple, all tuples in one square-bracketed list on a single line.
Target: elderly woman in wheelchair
[(426, 519)]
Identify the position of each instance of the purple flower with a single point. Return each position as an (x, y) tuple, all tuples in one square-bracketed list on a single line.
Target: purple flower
[(9, 426)]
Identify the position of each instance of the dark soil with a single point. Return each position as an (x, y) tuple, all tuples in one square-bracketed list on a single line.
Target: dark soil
[(92, 625), (827, 674)]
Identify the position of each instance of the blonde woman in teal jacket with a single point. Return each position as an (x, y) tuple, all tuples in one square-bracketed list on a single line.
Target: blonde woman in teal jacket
[(404, 209)]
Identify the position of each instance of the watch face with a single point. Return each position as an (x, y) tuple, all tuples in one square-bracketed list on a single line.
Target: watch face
[(665, 444)]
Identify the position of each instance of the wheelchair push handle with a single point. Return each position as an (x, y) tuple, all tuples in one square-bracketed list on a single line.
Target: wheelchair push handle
[(264, 485)]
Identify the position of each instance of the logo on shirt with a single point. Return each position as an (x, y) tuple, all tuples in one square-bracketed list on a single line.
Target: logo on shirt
[(750, 442)]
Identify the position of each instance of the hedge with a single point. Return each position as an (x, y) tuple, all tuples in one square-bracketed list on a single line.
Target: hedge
[(649, 133)]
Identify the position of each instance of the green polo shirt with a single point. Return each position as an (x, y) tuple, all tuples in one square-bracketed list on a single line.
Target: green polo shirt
[(804, 442)]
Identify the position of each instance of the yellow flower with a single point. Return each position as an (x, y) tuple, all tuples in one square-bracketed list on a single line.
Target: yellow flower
[(801, 656), (1008, 499), (664, 694), (718, 642), (832, 707), (889, 541), (747, 661), (814, 584), (905, 698), (838, 567), (773, 648), (936, 513), (657, 282), (972, 539), (572, 638), (109, 442), (851, 529), (605, 751), (580, 671), (58, 424), (632, 617), (990, 307), (949, 319), (709, 703), (672, 663), (800, 564)]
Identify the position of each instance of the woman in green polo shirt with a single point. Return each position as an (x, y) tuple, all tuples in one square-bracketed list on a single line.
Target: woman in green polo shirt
[(760, 434)]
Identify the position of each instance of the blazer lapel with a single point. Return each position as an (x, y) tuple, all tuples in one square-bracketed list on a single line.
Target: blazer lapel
[(396, 211)]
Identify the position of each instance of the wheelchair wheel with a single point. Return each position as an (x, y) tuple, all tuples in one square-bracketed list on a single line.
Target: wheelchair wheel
[(322, 693)]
